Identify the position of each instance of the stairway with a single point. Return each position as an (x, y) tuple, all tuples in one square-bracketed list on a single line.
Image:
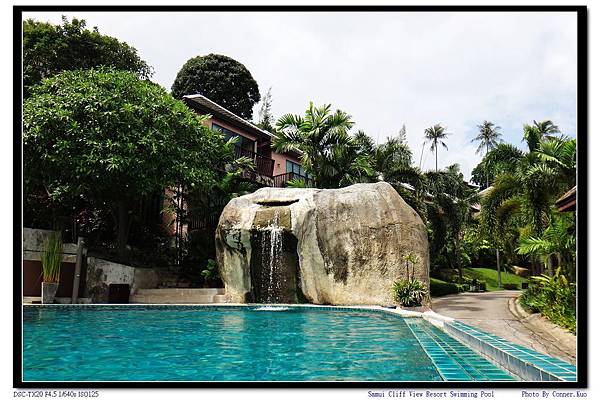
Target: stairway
[(178, 296)]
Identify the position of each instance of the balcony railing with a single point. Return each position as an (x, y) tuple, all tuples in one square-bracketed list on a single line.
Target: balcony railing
[(282, 179), (264, 165)]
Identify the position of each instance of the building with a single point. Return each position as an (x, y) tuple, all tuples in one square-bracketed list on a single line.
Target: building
[(568, 201), (271, 168)]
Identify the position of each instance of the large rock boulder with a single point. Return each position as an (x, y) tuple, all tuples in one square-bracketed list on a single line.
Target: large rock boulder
[(321, 246)]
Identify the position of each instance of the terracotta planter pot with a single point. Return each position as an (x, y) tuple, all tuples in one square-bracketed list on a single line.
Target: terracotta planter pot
[(49, 292)]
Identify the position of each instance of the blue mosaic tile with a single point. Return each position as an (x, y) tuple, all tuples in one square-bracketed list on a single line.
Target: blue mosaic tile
[(454, 360), (548, 368)]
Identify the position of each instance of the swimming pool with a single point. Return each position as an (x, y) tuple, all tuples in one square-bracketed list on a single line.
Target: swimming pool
[(207, 343)]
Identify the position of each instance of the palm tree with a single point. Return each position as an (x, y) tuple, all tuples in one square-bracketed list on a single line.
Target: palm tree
[(533, 134), (522, 196), (316, 135), (488, 137), (504, 157), (435, 135), (392, 156), (449, 212)]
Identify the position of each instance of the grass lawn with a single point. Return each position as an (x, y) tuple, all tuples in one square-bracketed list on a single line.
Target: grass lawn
[(490, 276)]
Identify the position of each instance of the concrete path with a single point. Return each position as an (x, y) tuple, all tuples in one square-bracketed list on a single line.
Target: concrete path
[(499, 313)]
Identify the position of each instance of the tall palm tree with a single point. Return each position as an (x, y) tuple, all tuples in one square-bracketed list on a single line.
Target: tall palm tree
[(316, 135), (435, 135), (488, 137)]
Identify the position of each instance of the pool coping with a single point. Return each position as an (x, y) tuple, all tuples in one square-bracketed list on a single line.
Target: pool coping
[(528, 365)]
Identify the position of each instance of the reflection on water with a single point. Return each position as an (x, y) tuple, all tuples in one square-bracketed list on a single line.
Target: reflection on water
[(181, 344)]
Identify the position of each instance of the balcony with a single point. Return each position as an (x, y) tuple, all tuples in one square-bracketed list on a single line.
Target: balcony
[(264, 165), (282, 179)]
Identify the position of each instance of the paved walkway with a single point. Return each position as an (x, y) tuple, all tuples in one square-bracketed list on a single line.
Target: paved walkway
[(499, 313)]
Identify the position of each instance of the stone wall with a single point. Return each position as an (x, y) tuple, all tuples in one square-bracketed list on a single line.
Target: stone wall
[(101, 273)]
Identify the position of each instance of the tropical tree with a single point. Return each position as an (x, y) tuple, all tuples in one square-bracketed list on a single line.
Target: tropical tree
[(488, 137), (523, 195), (436, 135), (49, 49), (222, 79), (448, 214), (533, 134), (556, 246), (107, 136), (265, 117), (502, 158), (391, 157), (320, 135)]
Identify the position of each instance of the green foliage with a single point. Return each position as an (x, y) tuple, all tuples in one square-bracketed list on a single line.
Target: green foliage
[(504, 157), (490, 277), (329, 154), (297, 183), (409, 292), (107, 136), (554, 297), (51, 258), (448, 215), (221, 79), (510, 286), (521, 201), (210, 273), (50, 49), (441, 288)]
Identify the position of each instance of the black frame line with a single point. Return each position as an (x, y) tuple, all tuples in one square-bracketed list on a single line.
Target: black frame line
[(582, 206)]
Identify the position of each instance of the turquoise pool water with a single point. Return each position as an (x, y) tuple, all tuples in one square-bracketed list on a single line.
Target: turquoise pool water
[(167, 343)]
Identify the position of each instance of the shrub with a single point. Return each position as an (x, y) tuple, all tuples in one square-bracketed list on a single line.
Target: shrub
[(510, 286), (409, 292), (554, 297), (210, 273), (439, 288)]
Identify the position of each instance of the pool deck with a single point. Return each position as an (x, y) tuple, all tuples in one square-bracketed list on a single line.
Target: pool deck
[(499, 313)]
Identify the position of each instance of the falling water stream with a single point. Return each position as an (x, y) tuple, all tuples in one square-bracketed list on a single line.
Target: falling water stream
[(272, 244)]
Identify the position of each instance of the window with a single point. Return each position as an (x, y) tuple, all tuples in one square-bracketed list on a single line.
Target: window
[(243, 141), (296, 168)]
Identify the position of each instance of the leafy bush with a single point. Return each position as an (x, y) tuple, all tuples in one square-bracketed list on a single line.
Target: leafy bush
[(409, 292), (510, 286), (210, 273), (554, 297), (440, 288)]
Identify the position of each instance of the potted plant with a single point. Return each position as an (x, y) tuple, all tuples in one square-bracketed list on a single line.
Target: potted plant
[(51, 260)]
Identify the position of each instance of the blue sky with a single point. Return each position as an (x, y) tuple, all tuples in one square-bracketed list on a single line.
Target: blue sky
[(385, 69)]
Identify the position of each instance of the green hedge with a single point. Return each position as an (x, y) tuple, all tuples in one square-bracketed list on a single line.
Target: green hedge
[(440, 288)]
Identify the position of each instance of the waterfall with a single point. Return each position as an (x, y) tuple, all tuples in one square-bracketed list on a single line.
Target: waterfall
[(272, 249)]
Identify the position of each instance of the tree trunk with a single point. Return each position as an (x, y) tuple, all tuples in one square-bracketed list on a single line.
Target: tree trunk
[(122, 229), (498, 267), (458, 256), (436, 168)]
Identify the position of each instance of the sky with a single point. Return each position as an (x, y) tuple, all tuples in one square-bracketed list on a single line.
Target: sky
[(384, 69)]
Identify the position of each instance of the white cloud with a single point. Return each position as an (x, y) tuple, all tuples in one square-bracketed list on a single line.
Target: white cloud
[(385, 69)]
